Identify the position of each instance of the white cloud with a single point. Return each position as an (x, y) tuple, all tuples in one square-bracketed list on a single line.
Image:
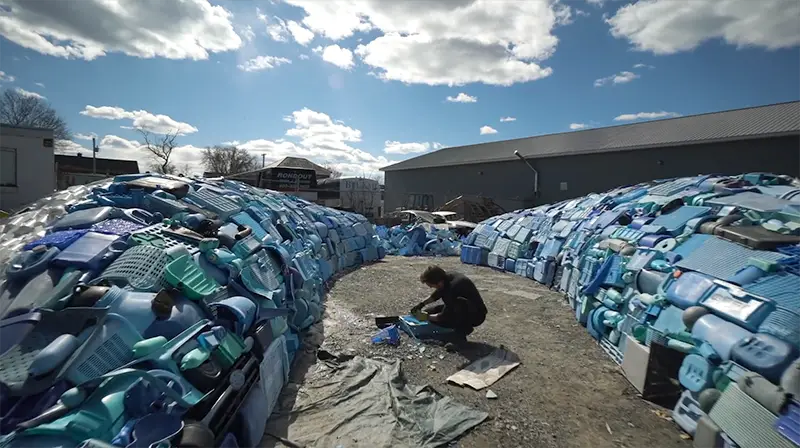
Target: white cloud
[(437, 145), (334, 20), (88, 136), (619, 78), (391, 147), (259, 63), (597, 3), (640, 65), (658, 26), (39, 84), (248, 34), (71, 148), (301, 34), (303, 56), (6, 78), (316, 136), (232, 143), (462, 98), (646, 116), (488, 130), (577, 126), (27, 93), (141, 119), (507, 119), (277, 30), (581, 13), (338, 56), (89, 29), (453, 43)]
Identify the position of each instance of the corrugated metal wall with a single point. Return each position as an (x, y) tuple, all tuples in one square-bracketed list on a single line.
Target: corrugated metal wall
[(511, 183)]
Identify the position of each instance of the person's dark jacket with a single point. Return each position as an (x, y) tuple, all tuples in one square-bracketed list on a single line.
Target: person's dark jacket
[(459, 285)]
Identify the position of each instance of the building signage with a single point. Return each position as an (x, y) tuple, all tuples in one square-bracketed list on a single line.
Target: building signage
[(288, 179)]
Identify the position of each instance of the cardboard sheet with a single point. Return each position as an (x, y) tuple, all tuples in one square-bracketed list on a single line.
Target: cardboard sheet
[(487, 370)]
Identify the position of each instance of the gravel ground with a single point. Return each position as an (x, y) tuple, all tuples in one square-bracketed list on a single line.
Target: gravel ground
[(566, 393)]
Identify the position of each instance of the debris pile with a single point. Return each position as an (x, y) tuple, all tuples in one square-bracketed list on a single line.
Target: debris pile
[(691, 281), (156, 310), (419, 239)]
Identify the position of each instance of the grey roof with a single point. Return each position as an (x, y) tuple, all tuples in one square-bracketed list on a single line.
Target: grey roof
[(763, 121), (299, 163)]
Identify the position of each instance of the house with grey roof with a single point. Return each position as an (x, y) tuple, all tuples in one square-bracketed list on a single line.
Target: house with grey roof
[(548, 168)]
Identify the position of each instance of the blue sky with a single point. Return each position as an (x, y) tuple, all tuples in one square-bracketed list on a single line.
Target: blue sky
[(363, 83)]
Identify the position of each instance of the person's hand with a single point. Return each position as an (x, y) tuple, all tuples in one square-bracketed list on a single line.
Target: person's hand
[(417, 308)]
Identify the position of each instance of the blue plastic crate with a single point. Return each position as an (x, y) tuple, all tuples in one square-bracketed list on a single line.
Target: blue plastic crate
[(206, 197)]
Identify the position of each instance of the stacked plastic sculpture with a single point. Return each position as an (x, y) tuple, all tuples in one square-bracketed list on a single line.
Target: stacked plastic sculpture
[(161, 311), (706, 266), (419, 239)]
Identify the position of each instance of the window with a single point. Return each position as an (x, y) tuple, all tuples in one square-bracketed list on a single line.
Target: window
[(8, 167)]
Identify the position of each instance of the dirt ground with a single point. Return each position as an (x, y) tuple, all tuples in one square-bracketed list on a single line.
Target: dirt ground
[(566, 393)]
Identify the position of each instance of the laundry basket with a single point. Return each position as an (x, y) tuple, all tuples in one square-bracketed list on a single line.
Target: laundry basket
[(140, 268), (108, 348)]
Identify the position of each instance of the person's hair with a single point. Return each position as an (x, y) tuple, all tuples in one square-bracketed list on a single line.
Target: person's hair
[(432, 275)]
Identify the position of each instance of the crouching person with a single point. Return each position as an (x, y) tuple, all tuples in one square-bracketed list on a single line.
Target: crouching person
[(462, 307)]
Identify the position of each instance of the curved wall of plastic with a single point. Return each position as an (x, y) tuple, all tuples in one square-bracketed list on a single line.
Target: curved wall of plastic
[(145, 309), (702, 272)]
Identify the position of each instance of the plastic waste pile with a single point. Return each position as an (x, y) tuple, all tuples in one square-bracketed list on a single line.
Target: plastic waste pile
[(704, 268), (160, 311), (418, 239)]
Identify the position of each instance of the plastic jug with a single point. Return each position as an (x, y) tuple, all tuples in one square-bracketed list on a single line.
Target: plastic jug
[(721, 334)]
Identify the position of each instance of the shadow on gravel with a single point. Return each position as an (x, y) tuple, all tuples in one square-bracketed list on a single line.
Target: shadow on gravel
[(305, 358)]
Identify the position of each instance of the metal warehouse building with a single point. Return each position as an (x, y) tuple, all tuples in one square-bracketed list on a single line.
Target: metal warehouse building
[(553, 167)]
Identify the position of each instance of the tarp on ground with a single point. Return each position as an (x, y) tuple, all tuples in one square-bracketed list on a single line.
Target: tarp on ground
[(365, 402)]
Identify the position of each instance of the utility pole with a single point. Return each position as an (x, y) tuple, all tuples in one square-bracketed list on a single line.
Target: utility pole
[(94, 156)]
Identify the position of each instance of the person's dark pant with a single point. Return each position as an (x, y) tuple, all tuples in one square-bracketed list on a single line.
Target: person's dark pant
[(460, 317)]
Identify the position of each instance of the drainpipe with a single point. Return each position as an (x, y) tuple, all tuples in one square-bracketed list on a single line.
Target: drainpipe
[(535, 173)]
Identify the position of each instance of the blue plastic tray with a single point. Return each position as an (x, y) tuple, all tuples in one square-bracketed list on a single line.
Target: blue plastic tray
[(723, 259), (60, 239)]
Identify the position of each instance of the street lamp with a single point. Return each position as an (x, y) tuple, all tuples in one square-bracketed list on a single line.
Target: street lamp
[(535, 173)]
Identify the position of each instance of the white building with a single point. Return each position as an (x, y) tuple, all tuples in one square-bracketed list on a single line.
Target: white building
[(27, 167), (358, 194)]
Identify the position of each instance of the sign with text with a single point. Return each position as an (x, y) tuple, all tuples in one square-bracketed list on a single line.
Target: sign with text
[(288, 179)]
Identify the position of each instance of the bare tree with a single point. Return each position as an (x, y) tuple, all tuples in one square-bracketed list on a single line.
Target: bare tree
[(160, 148), (335, 174), (228, 160), (186, 169), (17, 109)]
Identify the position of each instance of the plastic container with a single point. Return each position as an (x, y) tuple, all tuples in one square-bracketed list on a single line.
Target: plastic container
[(737, 306), (685, 289), (92, 251), (687, 412), (764, 354), (696, 373), (83, 219), (184, 274), (109, 347), (721, 334), (140, 268), (30, 263)]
